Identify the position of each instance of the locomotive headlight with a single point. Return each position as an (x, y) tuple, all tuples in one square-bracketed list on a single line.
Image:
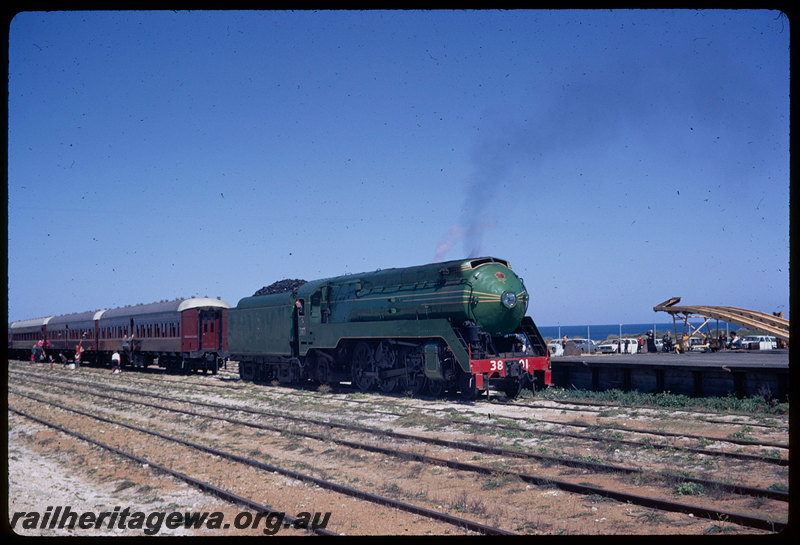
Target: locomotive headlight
[(509, 299)]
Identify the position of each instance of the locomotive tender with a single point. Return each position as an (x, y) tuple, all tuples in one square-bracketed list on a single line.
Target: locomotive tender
[(457, 326)]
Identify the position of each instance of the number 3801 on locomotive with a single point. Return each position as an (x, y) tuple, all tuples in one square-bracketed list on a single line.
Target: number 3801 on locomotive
[(455, 326)]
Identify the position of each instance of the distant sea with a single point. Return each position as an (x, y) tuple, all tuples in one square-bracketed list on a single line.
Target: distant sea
[(601, 332)]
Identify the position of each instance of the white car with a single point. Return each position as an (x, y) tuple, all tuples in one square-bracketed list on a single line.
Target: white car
[(555, 348), (629, 346), (759, 342)]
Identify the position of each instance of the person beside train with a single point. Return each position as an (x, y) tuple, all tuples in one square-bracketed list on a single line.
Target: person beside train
[(38, 353), (78, 352), (127, 347), (115, 362)]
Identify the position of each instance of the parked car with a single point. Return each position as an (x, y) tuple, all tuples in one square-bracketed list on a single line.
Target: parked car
[(759, 342), (612, 346), (585, 345), (698, 345), (607, 347), (555, 348)]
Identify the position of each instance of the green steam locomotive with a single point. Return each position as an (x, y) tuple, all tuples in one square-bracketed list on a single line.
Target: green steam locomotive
[(451, 326)]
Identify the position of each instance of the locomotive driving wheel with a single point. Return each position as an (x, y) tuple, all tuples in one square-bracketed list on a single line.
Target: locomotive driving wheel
[(414, 383), (435, 387), (386, 359), (323, 372), (362, 363)]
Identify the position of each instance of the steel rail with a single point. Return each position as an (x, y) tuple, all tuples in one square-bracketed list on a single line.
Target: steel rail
[(727, 487), (517, 404), (329, 485), (504, 452), (694, 450), (202, 485), (604, 406), (663, 505), (607, 405), (483, 449)]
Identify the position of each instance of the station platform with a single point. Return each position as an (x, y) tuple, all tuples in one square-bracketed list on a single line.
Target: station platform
[(699, 374)]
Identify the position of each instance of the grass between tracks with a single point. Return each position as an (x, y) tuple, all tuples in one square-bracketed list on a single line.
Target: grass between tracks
[(757, 406)]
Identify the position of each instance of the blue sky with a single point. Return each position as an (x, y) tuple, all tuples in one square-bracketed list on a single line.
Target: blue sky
[(615, 158)]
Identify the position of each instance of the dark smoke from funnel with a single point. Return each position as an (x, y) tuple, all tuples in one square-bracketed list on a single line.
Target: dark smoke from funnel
[(633, 105), (586, 107)]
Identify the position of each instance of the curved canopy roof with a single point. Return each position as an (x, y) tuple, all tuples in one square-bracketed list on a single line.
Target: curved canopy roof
[(202, 302), (751, 319)]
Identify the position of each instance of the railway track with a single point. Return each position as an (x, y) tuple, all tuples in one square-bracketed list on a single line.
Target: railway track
[(226, 495), (562, 460), (458, 522), (582, 406), (571, 462), (533, 479), (656, 503), (597, 407), (605, 433), (231, 381)]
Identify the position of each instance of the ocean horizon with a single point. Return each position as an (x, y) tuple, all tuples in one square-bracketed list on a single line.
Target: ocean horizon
[(601, 332)]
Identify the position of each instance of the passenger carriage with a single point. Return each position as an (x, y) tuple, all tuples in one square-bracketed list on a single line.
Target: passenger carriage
[(182, 335)]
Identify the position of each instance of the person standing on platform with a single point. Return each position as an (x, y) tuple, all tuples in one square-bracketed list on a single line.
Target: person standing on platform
[(667, 340), (651, 341)]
